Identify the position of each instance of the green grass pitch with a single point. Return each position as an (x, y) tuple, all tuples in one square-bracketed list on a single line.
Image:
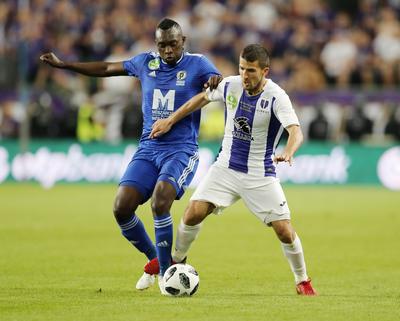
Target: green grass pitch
[(62, 258)]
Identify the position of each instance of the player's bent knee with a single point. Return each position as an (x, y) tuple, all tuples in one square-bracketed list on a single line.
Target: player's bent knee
[(121, 212), (286, 237), (193, 218), (160, 206), (196, 212), (284, 231)]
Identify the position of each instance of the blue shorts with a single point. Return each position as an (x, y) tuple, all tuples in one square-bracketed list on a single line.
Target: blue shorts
[(148, 166)]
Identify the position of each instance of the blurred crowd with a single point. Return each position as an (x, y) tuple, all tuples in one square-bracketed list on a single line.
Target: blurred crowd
[(315, 45)]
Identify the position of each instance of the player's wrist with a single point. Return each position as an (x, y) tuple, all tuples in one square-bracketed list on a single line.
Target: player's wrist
[(63, 65), (171, 120)]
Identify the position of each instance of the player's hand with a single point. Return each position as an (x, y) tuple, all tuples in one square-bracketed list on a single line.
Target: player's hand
[(283, 158), (52, 60), (160, 127), (213, 82)]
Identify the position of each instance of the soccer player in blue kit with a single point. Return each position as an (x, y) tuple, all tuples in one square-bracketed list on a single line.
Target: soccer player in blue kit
[(161, 168), (257, 111)]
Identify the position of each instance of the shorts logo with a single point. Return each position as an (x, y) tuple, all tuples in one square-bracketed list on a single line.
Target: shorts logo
[(154, 64)]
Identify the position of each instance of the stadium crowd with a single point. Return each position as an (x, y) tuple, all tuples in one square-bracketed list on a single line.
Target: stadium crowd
[(350, 47)]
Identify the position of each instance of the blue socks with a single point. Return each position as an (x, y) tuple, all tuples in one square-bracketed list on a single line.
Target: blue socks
[(134, 232), (164, 233)]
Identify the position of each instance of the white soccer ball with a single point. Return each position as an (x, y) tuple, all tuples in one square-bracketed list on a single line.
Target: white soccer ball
[(181, 279)]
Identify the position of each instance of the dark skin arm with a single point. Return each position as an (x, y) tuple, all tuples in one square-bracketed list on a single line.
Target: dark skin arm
[(104, 69), (94, 69), (213, 82)]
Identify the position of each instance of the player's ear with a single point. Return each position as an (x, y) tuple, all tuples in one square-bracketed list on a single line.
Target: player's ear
[(183, 40), (266, 71)]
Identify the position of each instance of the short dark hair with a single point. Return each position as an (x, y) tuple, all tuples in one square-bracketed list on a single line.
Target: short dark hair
[(255, 52), (166, 24)]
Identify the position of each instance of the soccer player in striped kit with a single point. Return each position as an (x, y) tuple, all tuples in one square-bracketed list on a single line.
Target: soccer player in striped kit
[(257, 111)]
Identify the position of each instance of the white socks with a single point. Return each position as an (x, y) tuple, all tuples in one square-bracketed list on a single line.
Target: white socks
[(184, 238), (294, 252), (295, 256)]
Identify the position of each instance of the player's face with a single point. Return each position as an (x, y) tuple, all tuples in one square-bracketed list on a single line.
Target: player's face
[(170, 44), (252, 75)]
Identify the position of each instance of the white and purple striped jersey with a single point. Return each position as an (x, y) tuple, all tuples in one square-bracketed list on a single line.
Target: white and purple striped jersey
[(253, 125)]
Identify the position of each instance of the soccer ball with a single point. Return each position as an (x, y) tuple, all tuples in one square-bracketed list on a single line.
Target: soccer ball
[(181, 279)]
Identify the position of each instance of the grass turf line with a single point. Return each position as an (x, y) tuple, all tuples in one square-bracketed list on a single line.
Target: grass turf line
[(63, 258)]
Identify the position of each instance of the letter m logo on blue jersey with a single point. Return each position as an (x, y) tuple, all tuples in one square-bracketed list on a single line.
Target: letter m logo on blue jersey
[(163, 102)]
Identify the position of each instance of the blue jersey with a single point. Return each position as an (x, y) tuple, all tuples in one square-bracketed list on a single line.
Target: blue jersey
[(164, 89)]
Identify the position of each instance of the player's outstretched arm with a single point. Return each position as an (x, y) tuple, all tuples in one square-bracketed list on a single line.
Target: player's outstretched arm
[(95, 69), (163, 126), (293, 143)]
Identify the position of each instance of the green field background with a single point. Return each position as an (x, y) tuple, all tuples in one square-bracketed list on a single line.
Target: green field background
[(63, 258)]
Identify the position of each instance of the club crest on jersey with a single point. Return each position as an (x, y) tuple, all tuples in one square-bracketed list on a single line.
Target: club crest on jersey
[(180, 78), (154, 64), (231, 101), (264, 104)]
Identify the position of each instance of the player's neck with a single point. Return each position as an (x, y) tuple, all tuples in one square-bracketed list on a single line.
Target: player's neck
[(258, 89)]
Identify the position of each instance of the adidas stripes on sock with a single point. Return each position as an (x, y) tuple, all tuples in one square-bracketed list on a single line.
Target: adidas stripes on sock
[(164, 233), (134, 232)]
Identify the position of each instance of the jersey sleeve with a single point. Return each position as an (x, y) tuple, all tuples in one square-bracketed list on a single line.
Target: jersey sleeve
[(206, 69), (218, 93), (134, 65), (284, 111)]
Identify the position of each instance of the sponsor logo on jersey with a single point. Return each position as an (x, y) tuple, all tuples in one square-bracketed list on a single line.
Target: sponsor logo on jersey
[(242, 124), (152, 73), (180, 78), (246, 107), (163, 104), (154, 64), (242, 129), (231, 101)]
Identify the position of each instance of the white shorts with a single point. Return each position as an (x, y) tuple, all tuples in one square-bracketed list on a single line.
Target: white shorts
[(263, 196)]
